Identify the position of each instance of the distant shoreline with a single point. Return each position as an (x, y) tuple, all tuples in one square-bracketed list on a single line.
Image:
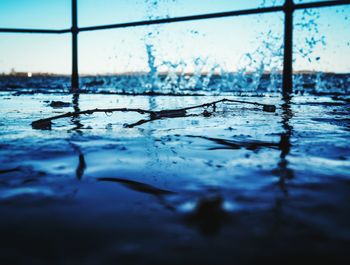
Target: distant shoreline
[(33, 74)]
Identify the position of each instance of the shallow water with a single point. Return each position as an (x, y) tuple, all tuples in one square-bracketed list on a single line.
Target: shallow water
[(240, 186), (180, 84)]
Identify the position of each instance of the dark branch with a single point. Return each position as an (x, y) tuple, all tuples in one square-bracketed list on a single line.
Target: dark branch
[(154, 115)]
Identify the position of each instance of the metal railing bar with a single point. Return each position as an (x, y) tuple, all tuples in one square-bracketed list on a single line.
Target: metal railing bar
[(181, 19), (44, 31), (215, 15), (321, 4), (185, 18), (287, 74), (74, 29)]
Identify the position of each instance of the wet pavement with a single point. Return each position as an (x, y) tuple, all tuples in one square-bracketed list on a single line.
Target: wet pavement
[(234, 186)]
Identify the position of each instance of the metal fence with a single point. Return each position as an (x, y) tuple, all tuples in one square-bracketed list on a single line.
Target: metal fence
[(288, 8)]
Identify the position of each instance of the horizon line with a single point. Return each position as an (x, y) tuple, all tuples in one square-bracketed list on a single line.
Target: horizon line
[(131, 73)]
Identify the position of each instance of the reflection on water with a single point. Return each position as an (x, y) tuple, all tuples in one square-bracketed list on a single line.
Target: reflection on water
[(76, 119), (197, 186), (79, 172), (208, 215), (283, 170)]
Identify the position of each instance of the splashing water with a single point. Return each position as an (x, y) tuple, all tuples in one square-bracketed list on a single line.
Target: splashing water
[(258, 71), (153, 74)]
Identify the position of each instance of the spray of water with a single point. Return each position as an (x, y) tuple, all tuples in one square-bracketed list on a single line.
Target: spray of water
[(258, 70)]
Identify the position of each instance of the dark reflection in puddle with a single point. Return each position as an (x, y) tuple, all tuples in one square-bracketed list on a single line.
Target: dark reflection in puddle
[(283, 170), (160, 194), (9, 170), (79, 172), (208, 215), (138, 186), (76, 119), (235, 144), (188, 193)]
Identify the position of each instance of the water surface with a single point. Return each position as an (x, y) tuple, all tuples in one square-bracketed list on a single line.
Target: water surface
[(234, 187)]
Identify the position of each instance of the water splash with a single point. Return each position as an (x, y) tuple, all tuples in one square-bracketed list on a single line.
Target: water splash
[(259, 71), (207, 75), (153, 69)]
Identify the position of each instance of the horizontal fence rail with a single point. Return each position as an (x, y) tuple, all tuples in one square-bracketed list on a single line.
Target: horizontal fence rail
[(45, 31), (288, 8), (183, 18)]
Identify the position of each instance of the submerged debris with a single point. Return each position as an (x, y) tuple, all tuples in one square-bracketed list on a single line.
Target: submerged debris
[(168, 114), (252, 145), (59, 104), (138, 186), (9, 170), (43, 124), (269, 108)]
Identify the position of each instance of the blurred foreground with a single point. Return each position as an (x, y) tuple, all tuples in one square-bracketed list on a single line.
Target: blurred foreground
[(240, 186)]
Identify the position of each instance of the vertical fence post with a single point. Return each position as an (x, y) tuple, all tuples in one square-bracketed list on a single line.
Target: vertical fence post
[(287, 84), (74, 30)]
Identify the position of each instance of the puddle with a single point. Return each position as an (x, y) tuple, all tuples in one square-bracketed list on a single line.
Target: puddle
[(235, 186)]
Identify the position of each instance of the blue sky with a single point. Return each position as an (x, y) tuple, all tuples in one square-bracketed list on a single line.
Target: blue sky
[(219, 44)]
